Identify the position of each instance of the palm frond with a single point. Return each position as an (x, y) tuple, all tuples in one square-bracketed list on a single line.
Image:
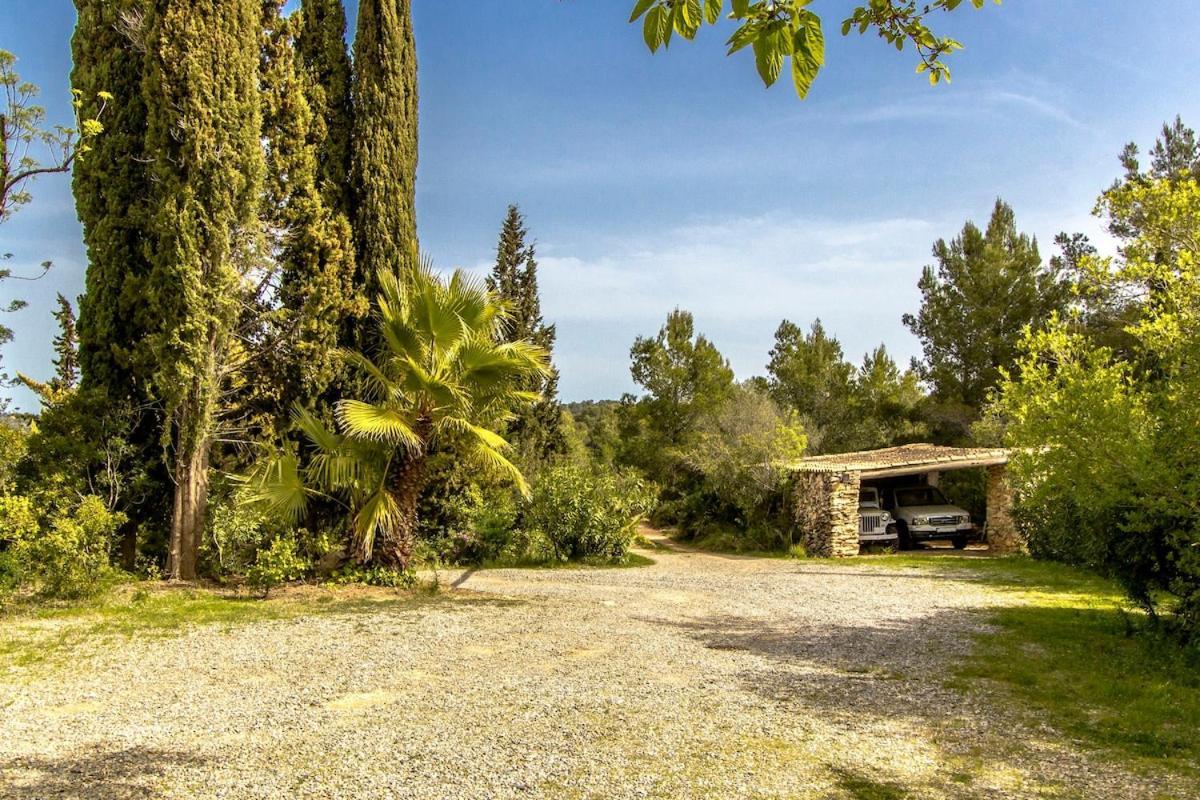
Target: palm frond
[(321, 437), (275, 482), (380, 423), (495, 459), (379, 386), (380, 512)]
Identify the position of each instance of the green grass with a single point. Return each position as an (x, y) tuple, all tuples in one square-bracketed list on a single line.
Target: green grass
[(725, 541), (47, 633), (629, 560), (1072, 655)]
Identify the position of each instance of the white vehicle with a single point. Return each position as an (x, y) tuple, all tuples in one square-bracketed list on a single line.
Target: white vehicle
[(923, 513), (875, 526)]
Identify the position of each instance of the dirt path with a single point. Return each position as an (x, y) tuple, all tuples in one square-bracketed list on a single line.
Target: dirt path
[(701, 676)]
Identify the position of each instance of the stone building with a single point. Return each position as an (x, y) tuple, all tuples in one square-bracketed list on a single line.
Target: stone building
[(825, 491)]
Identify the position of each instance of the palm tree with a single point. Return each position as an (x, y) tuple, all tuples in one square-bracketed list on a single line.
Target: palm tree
[(441, 376)]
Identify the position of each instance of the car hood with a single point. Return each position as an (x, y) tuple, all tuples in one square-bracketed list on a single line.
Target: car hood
[(929, 511)]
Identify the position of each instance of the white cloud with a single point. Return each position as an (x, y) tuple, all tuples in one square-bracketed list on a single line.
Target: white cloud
[(739, 277)]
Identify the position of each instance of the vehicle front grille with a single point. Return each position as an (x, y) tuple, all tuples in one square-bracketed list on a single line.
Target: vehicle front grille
[(944, 520), (868, 524)]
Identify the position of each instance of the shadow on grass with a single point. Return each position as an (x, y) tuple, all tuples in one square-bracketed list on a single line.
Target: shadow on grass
[(129, 774), (862, 787)]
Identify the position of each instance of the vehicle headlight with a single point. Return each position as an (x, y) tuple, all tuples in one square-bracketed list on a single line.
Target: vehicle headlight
[(885, 517), (964, 519), (920, 520)]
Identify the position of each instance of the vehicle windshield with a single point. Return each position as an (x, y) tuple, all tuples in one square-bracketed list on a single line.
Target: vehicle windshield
[(921, 496), (868, 497)]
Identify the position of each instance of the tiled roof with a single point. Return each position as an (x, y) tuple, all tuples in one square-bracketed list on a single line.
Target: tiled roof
[(898, 460)]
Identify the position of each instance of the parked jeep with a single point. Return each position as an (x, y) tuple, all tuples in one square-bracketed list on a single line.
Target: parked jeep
[(875, 526), (924, 514)]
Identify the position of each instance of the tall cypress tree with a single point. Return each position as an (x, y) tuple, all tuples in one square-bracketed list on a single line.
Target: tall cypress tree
[(536, 432), (321, 49), (311, 243), (201, 90), (112, 190), (385, 139), (112, 187)]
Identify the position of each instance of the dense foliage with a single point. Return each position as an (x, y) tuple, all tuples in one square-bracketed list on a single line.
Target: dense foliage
[(1106, 470), (587, 514), (442, 377)]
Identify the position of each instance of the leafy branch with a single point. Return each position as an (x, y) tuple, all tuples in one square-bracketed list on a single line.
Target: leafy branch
[(777, 30), (21, 131)]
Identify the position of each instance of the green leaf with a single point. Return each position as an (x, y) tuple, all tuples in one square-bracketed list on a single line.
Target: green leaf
[(652, 29), (768, 59), (641, 7), (741, 8), (743, 36), (712, 10)]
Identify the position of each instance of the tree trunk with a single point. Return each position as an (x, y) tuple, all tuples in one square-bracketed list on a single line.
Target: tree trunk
[(396, 548), (190, 473)]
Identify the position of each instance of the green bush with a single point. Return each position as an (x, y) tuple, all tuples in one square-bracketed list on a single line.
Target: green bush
[(588, 514), (65, 555), (373, 575), (279, 563)]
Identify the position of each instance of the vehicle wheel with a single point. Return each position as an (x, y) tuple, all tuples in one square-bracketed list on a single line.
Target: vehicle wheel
[(959, 542), (903, 540)]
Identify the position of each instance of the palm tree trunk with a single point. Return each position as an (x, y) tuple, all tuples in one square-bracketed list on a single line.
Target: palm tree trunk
[(396, 549)]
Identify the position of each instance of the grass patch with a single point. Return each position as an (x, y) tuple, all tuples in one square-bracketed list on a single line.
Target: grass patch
[(629, 560), (46, 634), (1074, 657), (727, 542)]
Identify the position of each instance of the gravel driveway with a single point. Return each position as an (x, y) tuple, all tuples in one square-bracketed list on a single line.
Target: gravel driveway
[(699, 677)]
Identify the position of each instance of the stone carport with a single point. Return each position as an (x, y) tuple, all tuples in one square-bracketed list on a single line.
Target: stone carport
[(825, 491)]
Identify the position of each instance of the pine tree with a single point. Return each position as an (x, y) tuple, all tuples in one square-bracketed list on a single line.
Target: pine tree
[(986, 288), (536, 432), (321, 49), (312, 244), (204, 124), (810, 375), (385, 141)]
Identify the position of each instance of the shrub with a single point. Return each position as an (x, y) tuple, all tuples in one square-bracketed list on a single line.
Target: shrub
[(588, 514), (62, 556), (279, 563), (373, 575)]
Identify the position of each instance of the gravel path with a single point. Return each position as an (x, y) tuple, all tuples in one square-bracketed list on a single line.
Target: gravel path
[(699, 677)]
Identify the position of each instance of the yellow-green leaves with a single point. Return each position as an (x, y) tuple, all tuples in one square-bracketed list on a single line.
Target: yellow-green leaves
[(776, 30)]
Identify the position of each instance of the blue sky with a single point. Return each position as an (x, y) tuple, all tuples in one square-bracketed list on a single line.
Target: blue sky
[(652, 182)]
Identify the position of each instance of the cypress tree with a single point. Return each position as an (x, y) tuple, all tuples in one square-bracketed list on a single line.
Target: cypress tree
[(321, 49), (312, 244), (112, 187), (203, 113), (385, 139), (536, 432)]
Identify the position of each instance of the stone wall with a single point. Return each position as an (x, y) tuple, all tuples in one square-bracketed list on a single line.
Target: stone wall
[(1002, 534), (826, 513)]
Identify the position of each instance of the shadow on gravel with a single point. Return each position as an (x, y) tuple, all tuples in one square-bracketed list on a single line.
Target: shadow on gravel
[(853, 672), (130, 774)]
